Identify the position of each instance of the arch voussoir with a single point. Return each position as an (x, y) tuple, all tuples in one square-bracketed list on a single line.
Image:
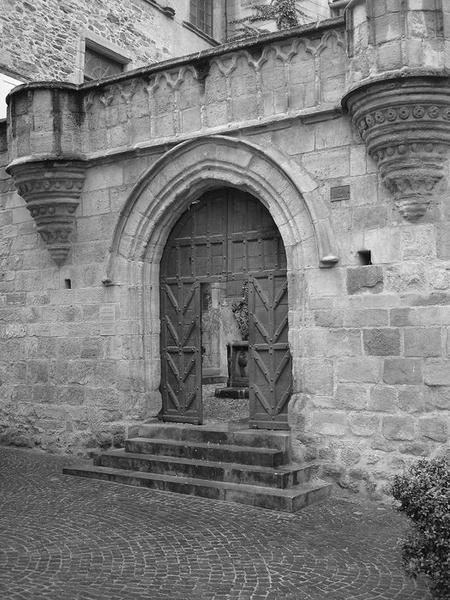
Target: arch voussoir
[(180, 177), (166, 189)]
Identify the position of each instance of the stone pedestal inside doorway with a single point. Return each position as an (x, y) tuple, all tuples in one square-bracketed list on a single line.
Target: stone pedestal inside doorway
[(230, 403)]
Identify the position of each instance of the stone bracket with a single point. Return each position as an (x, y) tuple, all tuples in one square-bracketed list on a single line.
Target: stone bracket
[(405, 125), (51, 189)]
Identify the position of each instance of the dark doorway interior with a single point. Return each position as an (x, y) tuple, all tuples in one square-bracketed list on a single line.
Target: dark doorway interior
[(224, 247)]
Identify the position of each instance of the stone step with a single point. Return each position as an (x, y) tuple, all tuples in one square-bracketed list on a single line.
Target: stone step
[(290, 500), (247, 455), (226, 433), (280, 477)]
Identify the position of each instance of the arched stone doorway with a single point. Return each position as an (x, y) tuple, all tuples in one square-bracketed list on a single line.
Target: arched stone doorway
[(293, 199), (227, 241)]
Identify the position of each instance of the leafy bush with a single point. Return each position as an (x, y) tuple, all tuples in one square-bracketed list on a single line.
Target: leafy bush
[(240, 311), (285, 13), (424, 496)]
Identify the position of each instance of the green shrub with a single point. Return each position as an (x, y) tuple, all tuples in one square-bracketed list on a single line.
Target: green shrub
[(240, 311), (424, 496)]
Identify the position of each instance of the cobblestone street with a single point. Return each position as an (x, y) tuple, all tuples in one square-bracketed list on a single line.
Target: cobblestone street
[(77, 539)]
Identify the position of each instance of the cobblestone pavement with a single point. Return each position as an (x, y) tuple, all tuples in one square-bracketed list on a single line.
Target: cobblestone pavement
[(65, 538)]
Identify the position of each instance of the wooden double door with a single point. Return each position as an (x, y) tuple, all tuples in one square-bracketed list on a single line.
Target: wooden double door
[(228, 237)]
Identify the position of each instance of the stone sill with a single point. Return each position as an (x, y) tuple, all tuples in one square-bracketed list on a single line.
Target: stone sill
[(166, 10), (200, 33)]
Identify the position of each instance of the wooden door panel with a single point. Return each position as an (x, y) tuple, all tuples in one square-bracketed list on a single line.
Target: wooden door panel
[(180, 351), (227, 236), (270, 366)]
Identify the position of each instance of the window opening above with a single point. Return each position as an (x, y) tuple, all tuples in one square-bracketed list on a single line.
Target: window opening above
[(98, 65), (201, 15)]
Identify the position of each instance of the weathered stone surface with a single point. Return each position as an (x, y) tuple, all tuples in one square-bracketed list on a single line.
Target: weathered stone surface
[(318, 378), (351, 397), (415, 448), (398, 428), (343, 342), (411, 399), (364, 425), (418, 242), (406, 277), (380, 443), (329, 423), (422, 341), (438, 397), (350, 455), (382, 342), (359, 370), (437, 372), (368, 317), (402, 371), (365, 279), (434, 428), (383, 398)]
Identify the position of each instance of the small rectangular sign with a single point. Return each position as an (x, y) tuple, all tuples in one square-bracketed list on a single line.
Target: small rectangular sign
[(339, 193)]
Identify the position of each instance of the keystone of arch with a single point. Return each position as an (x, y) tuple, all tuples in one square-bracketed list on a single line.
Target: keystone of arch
[(181, 175)]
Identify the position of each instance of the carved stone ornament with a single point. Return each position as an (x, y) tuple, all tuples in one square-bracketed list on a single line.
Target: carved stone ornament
[(52, 190), (405, 125)]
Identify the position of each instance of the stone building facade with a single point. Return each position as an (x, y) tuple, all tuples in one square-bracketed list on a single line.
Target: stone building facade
[(341, 131), (46, 39)]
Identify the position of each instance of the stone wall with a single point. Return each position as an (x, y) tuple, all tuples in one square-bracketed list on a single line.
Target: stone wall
[(43, 39), (79, 343), (216, 92)]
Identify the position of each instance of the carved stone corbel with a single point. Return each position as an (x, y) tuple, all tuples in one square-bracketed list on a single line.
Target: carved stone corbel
[(51, 190), (405, 125)]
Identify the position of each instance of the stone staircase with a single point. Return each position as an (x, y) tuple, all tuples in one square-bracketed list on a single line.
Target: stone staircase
[(220, 462)]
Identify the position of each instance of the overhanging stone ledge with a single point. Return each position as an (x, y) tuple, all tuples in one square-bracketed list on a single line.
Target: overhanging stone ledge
[(51, 188), (405, 124)]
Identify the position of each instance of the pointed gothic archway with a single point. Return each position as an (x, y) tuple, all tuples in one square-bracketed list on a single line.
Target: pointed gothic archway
[(179, 178)]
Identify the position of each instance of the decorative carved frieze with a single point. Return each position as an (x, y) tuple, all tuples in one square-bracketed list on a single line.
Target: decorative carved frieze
[(51, 190), (405, 125), (282, 77)]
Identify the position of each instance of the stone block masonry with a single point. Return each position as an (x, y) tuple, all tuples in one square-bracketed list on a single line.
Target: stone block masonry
[(45, 39), (79, 342)]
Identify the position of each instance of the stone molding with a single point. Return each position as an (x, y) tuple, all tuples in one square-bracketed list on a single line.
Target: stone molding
[(292, 197), (405, 124), (51, 190), (176, 180)]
